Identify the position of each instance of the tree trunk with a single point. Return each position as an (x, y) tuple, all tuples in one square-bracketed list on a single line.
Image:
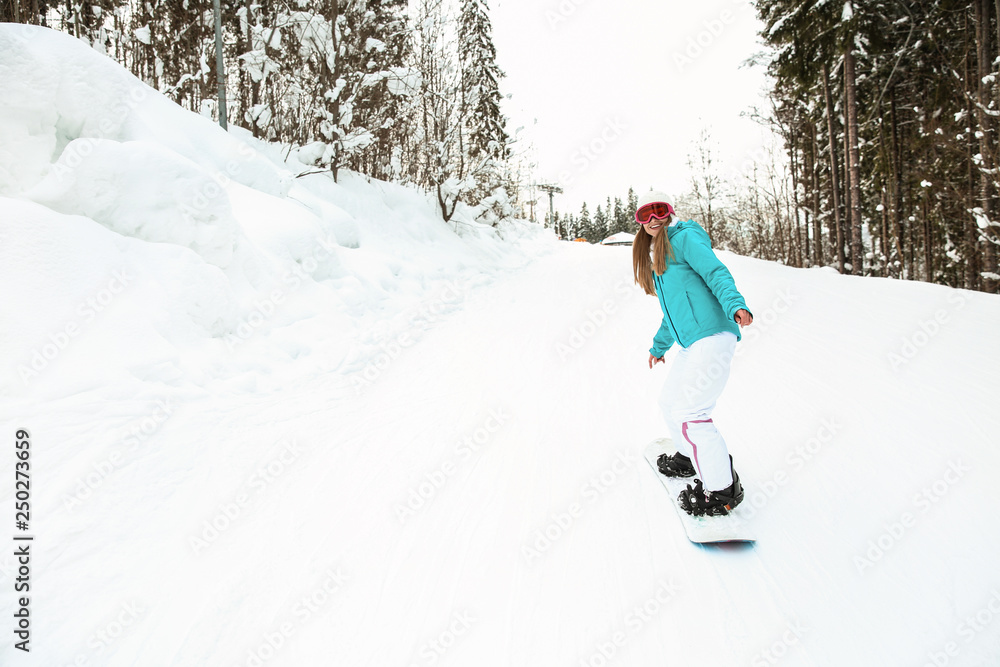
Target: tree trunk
[(928, 245), (837, 231), (776, 199), (884, 237), (911, 256), (446, 213), (220, 67), (854, 168), (897, 188), (845, 193), (337, 64), (797, 258), (986, 138), (996, 84), (817, 223), (885, 177), (244, 43), (973, 253)]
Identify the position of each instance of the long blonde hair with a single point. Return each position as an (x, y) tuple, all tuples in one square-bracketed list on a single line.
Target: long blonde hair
[(641, 265)]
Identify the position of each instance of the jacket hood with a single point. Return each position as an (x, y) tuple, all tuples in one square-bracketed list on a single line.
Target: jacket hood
[(685, 226)]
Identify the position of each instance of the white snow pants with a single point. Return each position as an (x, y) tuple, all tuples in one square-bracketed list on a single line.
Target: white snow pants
[(694, 383)]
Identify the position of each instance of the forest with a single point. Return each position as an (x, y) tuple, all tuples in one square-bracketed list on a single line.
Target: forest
[(887, 116)]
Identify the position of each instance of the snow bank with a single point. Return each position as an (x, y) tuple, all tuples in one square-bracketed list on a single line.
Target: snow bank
[(141, 189), (93, 308), (231, 270), (57, 89)]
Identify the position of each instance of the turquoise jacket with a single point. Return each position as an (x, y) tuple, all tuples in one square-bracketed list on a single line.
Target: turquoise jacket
[(696, 292)]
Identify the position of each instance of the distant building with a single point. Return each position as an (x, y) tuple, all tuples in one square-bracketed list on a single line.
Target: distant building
[(621, 238)]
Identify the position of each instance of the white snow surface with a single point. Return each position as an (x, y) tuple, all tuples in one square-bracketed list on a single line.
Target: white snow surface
[(283, 421)]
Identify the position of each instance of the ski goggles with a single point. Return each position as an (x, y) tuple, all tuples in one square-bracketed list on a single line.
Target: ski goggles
[(657, 209)]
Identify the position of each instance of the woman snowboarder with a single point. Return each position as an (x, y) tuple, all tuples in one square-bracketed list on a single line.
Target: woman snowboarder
[(673, 261)]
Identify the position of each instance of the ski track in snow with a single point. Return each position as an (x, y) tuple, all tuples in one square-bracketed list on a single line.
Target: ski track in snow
[(459, 570)]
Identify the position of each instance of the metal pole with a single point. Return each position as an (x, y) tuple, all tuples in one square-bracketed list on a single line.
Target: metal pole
[(551, 189), (220, 66)]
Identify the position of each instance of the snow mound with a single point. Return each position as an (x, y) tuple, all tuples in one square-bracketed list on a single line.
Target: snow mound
[(141, 189), (57, 89), (97, 303)]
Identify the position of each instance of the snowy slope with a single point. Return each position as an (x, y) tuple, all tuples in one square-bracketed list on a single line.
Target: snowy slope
[(428, 450), (487, 488)]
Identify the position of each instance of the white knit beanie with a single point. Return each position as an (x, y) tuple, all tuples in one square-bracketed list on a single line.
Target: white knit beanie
[(654, 196)]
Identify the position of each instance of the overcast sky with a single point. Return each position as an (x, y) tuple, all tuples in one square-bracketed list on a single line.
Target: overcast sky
[(614, 93)]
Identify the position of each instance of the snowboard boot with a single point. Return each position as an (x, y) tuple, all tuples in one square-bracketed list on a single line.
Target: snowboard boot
[(695, 500), (675, 465)]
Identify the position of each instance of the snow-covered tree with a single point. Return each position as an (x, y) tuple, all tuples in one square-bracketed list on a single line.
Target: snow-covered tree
[(599, 230), (443, 164), (620, 217), (486, 136), (389, 82), (338, 42), (584, 225)]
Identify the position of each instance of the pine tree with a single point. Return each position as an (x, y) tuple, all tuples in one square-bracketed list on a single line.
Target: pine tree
[(487, 136), (599, 231), (570, 227), (584, 225), (619, 217)]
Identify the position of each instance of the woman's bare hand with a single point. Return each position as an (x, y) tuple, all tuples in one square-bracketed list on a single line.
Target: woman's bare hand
[(743, 317)]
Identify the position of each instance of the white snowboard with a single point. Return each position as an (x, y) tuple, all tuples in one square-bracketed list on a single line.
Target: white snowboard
[(700, 529)]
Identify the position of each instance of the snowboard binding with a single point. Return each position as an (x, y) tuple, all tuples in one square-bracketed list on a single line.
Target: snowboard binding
[(696, 501), (675, 465)]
